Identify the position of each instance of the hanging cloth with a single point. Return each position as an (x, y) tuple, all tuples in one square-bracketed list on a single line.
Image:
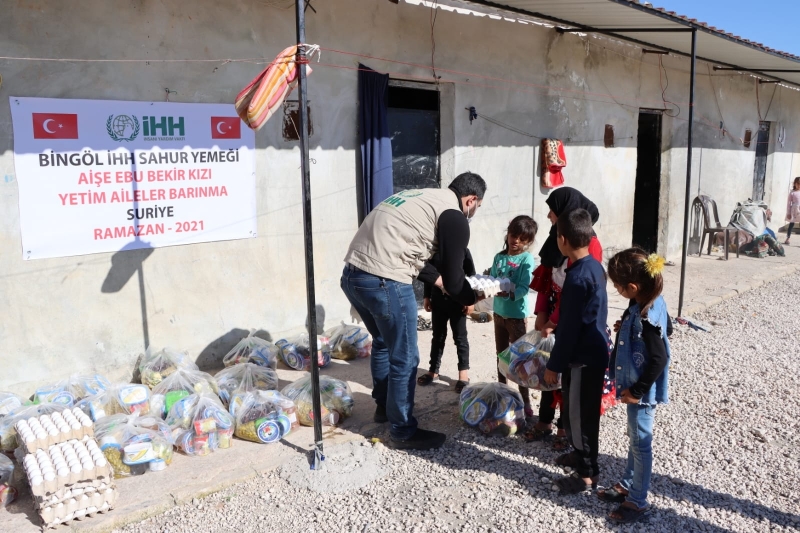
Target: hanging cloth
[(376, 143), (257, 102), (553, 160)]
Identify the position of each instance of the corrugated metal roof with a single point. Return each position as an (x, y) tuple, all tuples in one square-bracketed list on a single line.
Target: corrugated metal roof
[(713, 44)]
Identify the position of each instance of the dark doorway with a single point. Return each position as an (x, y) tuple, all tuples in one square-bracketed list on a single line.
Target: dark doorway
[(415, 131), (648, 181), (760, 172)]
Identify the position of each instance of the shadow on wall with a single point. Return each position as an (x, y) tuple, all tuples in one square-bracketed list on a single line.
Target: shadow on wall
[(124, 264)]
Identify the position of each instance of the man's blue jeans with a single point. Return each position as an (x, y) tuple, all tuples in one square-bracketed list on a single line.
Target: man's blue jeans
[(389, 311), (640, 453)]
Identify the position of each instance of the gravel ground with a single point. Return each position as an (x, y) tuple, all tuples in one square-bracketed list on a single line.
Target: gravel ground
[(727, 454)]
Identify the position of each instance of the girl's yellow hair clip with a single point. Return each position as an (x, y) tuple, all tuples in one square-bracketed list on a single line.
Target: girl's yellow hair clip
[(654, 265)]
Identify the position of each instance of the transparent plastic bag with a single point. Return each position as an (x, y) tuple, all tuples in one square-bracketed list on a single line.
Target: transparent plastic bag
[(8, 435), (348, 342), (7, 493), (155, 366), (10, 402), (295, 352), (200, 424), (492, 408), (254, 350), (71, 390), (180, 384), (265, 416), (335, 395), (239, 379), (528, 361), (134, 445), (120, 398)]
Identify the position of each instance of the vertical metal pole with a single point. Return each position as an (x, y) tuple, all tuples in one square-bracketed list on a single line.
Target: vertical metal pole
[(688, 174), (307, 235)]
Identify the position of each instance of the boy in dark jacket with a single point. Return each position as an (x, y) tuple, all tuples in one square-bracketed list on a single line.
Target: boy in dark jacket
[(443, 310), (580, 353)]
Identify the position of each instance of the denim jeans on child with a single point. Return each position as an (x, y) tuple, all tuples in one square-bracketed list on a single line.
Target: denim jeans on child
[(389, 311), (636, 479)]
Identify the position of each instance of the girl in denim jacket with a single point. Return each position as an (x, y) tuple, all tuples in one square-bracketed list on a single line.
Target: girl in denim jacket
[(639, 366)]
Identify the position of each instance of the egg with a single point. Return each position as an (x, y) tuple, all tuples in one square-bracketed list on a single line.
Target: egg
[(86, 422), (101, 462), (49, 476), (36, 480), (63, 472), (76, 469)]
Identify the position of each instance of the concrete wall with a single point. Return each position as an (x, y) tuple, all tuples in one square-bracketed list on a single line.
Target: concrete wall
[(203, 298)]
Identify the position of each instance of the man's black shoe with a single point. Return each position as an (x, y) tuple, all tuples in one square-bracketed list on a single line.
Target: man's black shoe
[(380, 415), (422, 439)]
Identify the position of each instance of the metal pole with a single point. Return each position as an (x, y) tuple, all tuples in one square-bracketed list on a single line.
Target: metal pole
[(688, 174), (307, 235)]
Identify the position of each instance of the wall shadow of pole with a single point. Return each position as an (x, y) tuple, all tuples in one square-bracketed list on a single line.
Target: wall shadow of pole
[(124, 264)]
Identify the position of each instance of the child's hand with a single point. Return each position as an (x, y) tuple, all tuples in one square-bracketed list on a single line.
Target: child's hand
[(548, 329), (502, 295), (426, 303), (625, 396), (550, 377), (468, 310), (617, 325)]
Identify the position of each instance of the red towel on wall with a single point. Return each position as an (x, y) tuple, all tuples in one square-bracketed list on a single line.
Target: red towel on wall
[(553, 160)]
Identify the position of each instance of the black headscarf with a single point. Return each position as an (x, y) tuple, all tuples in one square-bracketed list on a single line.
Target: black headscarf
[(564, 200)]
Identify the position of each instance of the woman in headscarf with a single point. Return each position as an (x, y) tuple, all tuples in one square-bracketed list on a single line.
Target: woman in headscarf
[(547, 281)]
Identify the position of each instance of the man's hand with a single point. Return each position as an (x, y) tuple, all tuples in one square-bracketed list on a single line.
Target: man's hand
[(541, 320), (426, 304), (628, 398), (440, 283), (617, 325), (548, 329), (468, 310), (550, 377)]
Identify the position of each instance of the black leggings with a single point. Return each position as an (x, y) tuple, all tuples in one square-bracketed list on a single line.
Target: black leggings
[(789, 231), (445, 310)]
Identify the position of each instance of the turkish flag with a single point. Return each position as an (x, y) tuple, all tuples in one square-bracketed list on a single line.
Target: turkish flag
[(55, 126), (226, 128)]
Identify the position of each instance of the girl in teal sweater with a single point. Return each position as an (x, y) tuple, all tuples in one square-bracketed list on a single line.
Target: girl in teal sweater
[(511, 309)]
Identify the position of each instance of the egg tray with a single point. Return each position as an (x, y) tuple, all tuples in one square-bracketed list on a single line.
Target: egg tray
[(86, 476), (59, 514), (30, 443), (488, 285), (76, 491)]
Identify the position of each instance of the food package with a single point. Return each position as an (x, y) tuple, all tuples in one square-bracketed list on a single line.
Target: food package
[(120, 398), (295, 352), (335, 395), (8, 433), (265, 416), (70, 390), (348, 342), (155, 366), (10, 402), (236, 381), (254, 350), (180, 384), (200, 424), (133, 444), (528, 359), (7, 493), (493, 408), (489, 286)]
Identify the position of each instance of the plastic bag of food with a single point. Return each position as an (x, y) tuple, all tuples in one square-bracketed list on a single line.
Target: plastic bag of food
[(348, 342), (528, 359), (295, 352), (155, 366), (493, 408), (335, 395), (120, 398), (134, 445), (254, 350), (10, 402), (265, 416), (8, 435), (180, 384), (239, 379), (71, 390), (7, 493), (200, 424)]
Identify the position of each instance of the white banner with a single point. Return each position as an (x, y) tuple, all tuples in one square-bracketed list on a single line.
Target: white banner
[(101, 175)]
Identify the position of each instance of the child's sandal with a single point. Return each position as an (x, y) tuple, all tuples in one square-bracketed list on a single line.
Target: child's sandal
[(611, 495), (561, 443), (536, 434), (627, 515)]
